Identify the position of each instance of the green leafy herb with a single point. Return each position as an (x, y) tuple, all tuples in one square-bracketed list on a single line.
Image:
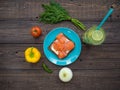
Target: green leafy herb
[(55, 13), (45, 67)]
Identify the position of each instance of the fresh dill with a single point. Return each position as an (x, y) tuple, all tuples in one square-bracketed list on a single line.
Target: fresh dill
[(55, 13)]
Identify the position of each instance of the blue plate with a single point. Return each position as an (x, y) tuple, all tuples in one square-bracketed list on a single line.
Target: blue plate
[(72, 56)]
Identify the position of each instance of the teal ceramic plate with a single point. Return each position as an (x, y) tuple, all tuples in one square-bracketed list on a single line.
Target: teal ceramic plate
[(72, 56)]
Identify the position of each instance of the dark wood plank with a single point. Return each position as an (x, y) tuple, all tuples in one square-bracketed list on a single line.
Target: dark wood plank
[(106, 56), (38, 79), (82, 9), (19, 31), (97, 68)]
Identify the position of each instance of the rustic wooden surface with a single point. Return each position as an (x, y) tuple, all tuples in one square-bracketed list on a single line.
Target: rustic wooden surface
[(97, 68)]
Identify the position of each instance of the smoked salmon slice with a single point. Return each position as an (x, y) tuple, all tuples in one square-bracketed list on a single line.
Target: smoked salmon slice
[(62, 46)]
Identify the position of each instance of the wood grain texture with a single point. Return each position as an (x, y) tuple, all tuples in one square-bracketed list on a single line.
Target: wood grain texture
[(97, 68), (38, 79), (101, 57), (19, 31), (82, 9)]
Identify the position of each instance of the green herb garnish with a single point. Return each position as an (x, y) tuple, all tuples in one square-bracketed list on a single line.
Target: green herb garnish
[(45, 67), (55, 13)]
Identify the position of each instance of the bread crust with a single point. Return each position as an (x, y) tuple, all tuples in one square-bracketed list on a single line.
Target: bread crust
[(62, 46)]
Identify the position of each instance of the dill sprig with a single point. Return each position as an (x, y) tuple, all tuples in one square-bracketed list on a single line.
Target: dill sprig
[(55, 13)]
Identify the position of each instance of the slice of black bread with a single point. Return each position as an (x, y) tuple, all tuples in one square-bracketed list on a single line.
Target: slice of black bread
[(62, 51)]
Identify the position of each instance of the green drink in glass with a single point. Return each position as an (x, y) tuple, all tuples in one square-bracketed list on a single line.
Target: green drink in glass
[(93, 36), (96, 35)]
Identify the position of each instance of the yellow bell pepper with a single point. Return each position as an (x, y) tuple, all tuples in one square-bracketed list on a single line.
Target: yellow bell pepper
[(32, 55)]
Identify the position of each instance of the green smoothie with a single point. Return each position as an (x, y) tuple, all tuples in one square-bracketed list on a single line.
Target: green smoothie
[(93, 36)]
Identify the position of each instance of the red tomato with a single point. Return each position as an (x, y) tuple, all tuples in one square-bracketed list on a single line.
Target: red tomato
[(36, 31)]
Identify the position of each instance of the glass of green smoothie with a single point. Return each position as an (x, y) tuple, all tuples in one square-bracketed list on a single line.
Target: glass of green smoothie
[(96, 35)]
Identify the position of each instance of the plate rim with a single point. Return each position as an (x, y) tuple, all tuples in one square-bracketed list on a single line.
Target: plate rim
[(69, 61)]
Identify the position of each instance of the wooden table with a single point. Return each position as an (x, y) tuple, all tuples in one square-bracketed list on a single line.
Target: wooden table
[(97, 68)]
